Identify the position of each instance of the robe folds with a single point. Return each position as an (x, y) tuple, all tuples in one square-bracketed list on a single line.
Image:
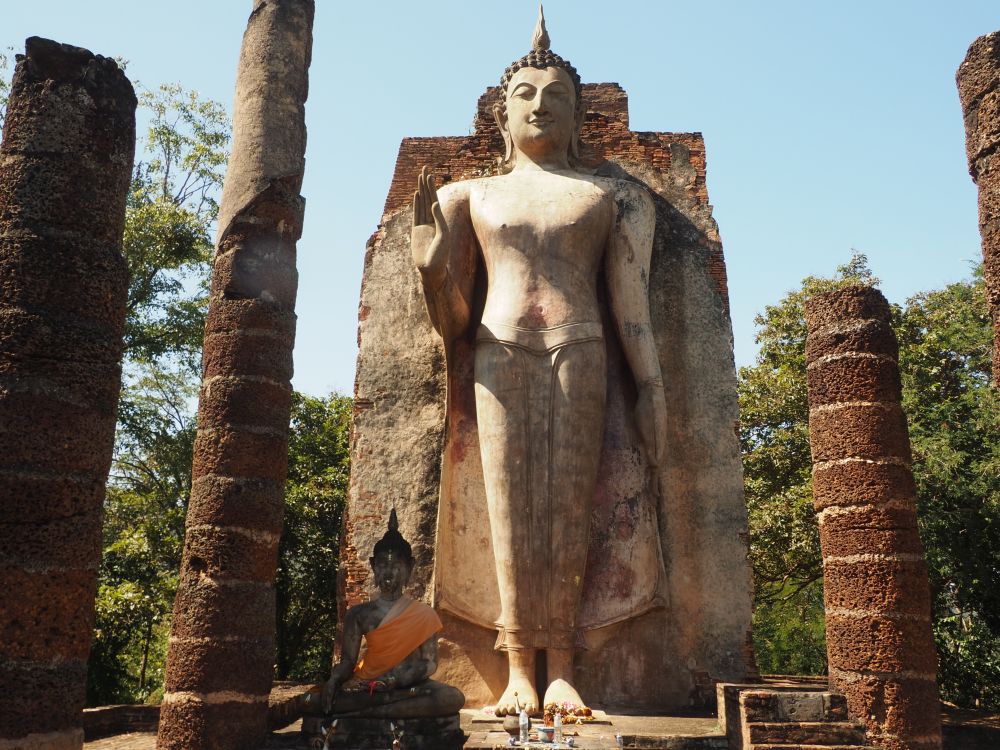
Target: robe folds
[(396, 637)]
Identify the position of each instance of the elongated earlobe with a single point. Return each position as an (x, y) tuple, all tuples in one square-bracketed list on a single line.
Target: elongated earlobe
[(500, 115)]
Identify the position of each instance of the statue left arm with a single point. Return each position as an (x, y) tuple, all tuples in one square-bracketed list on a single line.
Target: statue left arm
[(630, 246)]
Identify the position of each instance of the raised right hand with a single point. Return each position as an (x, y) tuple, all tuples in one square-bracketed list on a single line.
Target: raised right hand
[(429, 233)]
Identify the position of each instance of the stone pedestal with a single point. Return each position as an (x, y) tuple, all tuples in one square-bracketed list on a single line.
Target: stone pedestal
[(357, 733)]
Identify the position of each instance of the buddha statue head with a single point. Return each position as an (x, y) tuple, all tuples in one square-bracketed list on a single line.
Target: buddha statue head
[(392, 560), (541, 108)]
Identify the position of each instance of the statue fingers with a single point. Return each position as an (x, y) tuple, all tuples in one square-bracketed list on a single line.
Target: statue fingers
[(431, 188), (440, 224), (417, 207)]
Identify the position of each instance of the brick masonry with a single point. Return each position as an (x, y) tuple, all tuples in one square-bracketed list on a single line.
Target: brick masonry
[(221, 654), (879, 644), (65, 166), (978, 80)]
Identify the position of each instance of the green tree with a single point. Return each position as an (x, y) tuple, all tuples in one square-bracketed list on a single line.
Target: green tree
[(170, 215), (315, 495), (4, 86), (954, 423), (945, 339)]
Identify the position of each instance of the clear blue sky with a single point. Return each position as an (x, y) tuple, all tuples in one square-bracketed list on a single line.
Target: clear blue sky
[(829, 125)]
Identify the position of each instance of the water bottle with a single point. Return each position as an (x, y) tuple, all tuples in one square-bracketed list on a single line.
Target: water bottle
[(557, 722), (523, 723)]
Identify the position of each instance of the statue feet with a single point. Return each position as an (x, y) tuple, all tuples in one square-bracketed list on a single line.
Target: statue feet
[(561, 692), (519, 692)]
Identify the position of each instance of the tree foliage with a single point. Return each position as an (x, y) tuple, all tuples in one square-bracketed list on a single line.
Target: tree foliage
[(170, 213), (945, 341), (315, 495), (774, 437), (954, 423)]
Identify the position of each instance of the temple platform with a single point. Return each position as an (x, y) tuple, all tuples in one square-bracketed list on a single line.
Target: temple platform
[(637, 732)]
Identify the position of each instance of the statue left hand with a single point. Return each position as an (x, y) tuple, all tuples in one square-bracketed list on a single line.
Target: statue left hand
[(651, 419)]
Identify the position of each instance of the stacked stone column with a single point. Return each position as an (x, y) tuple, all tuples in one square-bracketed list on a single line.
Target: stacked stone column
[(879, 644), (65, 167), (221, 657), (979, 91)]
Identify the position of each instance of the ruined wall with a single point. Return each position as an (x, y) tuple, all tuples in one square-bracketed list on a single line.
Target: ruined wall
[(879, 644), (979, 91), (664, 658), (221, 658), (65, 166)]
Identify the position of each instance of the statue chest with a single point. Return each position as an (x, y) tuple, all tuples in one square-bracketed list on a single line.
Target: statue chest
[(542, 216)]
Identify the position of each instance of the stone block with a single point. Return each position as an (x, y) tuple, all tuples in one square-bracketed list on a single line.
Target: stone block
[(872, 336), (53, 615), (881, 643), (255, 504), (841, 538), (880, 585), (221, 726), (356, 733), (240, 453), (231, 315), (221, 664), (208, 609), (244, 402), (234, 553), (852, 379), (861, 431), (36, 497), (807, 733), (861, 483), (258, 270), (249, 354)]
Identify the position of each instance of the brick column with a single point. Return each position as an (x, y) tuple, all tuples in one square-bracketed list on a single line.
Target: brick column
[(879, 645), (221, 658), (978, 80), (65, 167)]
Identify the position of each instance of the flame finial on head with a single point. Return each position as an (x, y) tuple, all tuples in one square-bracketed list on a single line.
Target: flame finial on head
[(540, 39), (392, 541)]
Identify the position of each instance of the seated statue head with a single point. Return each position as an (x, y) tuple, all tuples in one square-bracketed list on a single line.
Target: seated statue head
[(541, 106), (392, 560)]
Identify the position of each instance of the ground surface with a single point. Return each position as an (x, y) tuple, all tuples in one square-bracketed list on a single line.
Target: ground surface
[(964, 730)]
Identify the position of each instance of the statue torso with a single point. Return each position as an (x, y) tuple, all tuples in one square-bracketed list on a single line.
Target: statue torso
[(542, 237)]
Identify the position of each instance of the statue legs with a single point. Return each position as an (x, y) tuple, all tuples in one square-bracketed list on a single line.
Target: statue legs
[(541, 418)]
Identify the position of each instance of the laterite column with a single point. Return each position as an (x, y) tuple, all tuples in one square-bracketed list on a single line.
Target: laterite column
[(979, 91), (879, 644), (221, 658), (65, 167)]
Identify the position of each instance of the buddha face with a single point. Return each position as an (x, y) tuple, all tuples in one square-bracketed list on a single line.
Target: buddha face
[(540, 117), (392, 572)]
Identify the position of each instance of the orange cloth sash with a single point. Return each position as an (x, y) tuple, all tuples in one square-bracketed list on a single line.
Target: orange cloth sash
[(391, 642)]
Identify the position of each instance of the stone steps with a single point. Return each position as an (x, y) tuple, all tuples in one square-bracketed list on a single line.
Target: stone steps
[(788, 717), (822, 733)]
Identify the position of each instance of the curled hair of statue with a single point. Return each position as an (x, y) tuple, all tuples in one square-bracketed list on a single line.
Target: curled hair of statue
[(540, 57), (392, 542)]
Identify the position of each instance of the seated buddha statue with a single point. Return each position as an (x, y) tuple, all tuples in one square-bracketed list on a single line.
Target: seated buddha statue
[(391, 678)]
